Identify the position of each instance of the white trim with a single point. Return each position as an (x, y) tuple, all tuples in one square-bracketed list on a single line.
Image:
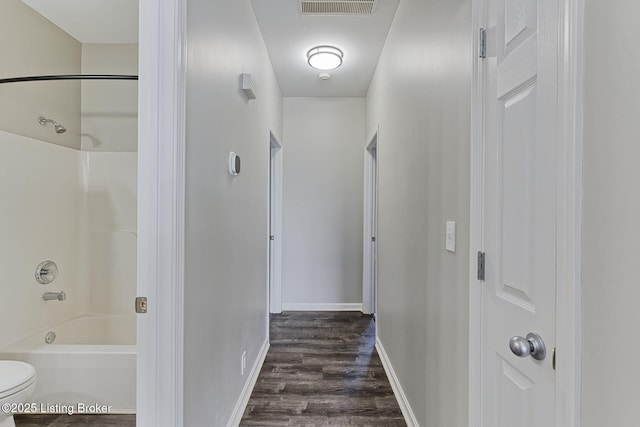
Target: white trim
[(275, 247), (405, 407), (368, 273), (476, 238), (241, 404), (321, 307), (161, 136), (569, 221)]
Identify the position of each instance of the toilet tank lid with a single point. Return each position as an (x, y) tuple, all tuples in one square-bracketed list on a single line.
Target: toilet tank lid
[(14, 373)]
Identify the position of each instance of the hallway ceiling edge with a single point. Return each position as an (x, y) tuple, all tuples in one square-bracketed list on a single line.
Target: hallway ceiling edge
[(289, 35)]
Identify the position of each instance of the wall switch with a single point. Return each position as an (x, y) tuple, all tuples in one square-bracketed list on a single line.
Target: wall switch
[(243, 362), (450, 238)]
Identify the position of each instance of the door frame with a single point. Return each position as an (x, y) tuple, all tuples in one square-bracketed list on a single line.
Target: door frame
[(569, 220), (275, 224), (161, 209), (368, 266)]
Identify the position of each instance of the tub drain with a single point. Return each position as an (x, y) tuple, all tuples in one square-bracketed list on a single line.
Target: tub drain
[(50, 337)]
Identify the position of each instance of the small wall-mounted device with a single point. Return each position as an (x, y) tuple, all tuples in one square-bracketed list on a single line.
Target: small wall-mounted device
[(234, 164), (248, 86)]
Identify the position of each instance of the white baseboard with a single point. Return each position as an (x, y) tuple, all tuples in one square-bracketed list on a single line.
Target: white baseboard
[(321, 307), (407, 412), (241, 405)]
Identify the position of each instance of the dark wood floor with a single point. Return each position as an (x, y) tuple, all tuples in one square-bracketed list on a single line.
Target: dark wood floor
[(75, 420), (322, 370)]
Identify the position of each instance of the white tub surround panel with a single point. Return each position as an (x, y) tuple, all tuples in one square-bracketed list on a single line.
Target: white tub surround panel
[(112, 272), (77, 209), (39, 220), (111, 191), (111, 239)]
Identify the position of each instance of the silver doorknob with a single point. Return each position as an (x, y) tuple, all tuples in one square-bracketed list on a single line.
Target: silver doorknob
[(532, 346)]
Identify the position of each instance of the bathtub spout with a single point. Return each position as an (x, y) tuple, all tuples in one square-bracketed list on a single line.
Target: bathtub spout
[(50, 296)]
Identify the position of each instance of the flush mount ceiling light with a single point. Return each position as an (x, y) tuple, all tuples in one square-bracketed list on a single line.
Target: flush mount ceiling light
[(325, 57)]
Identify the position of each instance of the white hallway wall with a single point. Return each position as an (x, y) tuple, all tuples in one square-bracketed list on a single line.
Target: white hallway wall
[(420, 98), (227, 231), (611, 245), (322, 201)]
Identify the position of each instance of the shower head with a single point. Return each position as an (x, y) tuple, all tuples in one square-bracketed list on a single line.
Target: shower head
[(57, 126)]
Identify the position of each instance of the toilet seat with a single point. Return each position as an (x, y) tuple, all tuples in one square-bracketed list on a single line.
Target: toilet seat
[(15, 376)]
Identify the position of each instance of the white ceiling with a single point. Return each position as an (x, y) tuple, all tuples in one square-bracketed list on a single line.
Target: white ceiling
[(92, 21), (289, 35)]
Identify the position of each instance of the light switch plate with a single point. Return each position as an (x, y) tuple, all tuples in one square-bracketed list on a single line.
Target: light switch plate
[(450, 238)]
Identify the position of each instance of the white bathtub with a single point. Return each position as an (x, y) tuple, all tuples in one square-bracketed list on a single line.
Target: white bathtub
[(91, 361)]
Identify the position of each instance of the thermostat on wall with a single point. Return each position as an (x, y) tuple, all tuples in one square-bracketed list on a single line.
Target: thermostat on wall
[(234, 164), (248, 86)]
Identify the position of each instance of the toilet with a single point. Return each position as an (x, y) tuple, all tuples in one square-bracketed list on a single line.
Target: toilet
[(17, 383)]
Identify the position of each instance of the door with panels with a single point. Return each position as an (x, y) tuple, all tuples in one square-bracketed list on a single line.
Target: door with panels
[(519, 225)]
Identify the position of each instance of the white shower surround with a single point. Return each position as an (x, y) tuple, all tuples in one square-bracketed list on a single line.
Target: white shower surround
[(78, 209)]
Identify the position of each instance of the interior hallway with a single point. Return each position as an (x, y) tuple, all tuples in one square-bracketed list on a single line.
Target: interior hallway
[(322, 369)]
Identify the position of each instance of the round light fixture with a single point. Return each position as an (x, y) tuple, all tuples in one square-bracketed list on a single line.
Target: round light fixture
[(325, 57)]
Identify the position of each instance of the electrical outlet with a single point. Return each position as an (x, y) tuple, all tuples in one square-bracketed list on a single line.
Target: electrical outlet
[(243, 362)]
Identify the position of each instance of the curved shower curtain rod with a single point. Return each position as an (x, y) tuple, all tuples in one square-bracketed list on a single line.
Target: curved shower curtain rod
[(70, 77)]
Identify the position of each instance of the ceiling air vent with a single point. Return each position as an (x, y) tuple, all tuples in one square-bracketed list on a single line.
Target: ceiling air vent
[(337, 7)]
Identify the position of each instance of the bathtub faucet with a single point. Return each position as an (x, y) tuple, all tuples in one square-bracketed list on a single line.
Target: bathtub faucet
[(50, 296)]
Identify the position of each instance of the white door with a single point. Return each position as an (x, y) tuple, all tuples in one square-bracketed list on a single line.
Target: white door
[(520, 140)]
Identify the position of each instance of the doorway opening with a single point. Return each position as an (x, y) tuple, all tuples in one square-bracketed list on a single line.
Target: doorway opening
[(370, 226), (275, 224)]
